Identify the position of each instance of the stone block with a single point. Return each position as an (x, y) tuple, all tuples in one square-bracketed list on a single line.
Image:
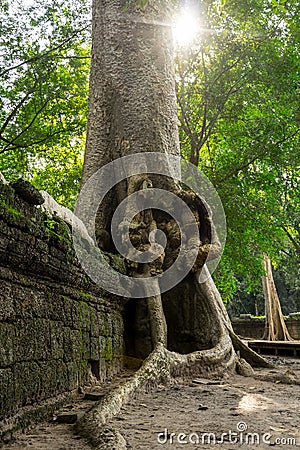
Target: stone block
[(7, 393), (95, 348), (28, 380), (48, 380), (94, 396), (57, 339), (7, 307), (95, 324), (84, 312), (62, 309), (61, 376), (73, 374), (27, 192), (71, 313), (69, 417), (33, 339), (85, 345), (103, 371), (7, 344), (72, 344)]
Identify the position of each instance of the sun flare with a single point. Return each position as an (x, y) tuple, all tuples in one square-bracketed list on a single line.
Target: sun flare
[(185, 28)]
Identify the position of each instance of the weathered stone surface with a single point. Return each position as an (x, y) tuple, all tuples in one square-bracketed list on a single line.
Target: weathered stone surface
[(70, 417), (243, 368), (57, 339), (7, 344), (7, 393), (28, 192), (94, 348), (53, 320), (94, 396)]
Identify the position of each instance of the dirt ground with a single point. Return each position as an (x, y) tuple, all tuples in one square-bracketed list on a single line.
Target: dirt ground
[(236, 413)]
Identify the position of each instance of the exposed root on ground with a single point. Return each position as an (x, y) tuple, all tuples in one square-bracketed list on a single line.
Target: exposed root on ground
[(160, 367), (253, 358)]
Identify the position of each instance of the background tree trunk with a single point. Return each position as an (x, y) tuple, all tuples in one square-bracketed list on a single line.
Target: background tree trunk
[(275, 327)]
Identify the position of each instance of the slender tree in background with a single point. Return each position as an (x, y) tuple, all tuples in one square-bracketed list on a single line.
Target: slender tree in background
[(275, 327)]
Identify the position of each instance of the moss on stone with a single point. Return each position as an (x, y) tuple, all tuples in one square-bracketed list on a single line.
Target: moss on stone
[(108, 350), (86, 295), (55, 319), (12, 211)]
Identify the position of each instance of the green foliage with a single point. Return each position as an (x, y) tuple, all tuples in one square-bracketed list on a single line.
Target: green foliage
[(226, 280), (238, 94), (44, 66), (11, 210), (108, 350), (51, 226), (286, 279)]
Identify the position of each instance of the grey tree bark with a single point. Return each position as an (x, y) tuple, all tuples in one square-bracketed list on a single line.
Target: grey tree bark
[(275, 326), (132, 109), (132, 106)]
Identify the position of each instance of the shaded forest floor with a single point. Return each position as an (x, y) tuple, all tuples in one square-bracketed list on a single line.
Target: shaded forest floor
[(240, 405)]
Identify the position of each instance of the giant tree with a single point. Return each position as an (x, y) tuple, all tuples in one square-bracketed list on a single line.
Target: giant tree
[(132, 110)]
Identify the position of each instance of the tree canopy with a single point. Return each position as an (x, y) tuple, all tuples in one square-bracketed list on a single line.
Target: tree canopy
[(238, 92), (238, 95), (44, 66)]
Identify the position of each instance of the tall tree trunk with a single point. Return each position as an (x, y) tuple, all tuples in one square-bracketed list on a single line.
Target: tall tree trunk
[(132, 103), (132, 109), (275, 327)]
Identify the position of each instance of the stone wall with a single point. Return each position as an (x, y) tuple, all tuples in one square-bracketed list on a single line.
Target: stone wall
[(251, 328), (56, 326)]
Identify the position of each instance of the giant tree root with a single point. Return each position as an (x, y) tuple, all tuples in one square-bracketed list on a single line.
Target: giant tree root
[(253, 358), (210, 292), (110, 439), (160, 366), (156, 367)]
